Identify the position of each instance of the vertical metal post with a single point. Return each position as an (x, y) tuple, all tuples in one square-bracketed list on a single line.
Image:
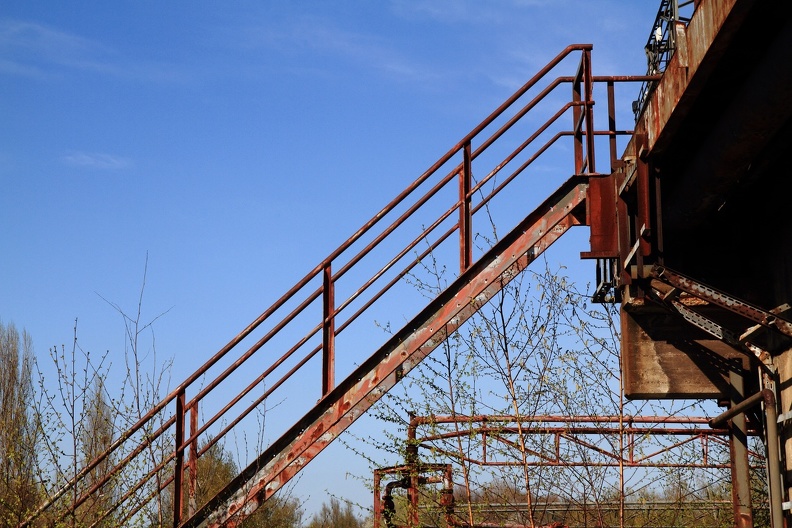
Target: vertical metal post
[(413, 520), (601, 202), (614, 156), (589, 109), (192, 462), (576, 115), (738, 446), (624, 224), (178, 470), (657, 217), (377, 500), (772, 444), (411, 459), (328, 331), (643, 226), (465, 233), (773, 460), (621, 452)]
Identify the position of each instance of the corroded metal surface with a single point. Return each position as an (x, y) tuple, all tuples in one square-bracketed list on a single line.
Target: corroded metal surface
[(756, 314), (683, 77), (342, 406)]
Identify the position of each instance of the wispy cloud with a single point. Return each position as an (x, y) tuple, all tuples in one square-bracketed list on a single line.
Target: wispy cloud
[(40, 39), (34, 50), (312, 35), (96, 160), (445, 11), (502, 55), (465, 11)]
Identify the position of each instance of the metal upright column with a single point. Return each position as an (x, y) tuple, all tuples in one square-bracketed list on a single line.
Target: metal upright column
[(465, 217), (738, 445), (328, 330)]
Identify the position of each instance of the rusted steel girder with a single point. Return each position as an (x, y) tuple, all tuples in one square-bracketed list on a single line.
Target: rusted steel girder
[(766, 318), (353, 396), (568, 427)]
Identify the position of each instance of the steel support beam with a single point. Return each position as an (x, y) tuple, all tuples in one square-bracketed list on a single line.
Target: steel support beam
[(738, 447), (772, 444)]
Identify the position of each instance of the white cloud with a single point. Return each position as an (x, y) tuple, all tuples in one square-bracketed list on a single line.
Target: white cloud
[(36, 38), (473, 12), (96, 160), (26, 46), (34, 50), (313, 35)]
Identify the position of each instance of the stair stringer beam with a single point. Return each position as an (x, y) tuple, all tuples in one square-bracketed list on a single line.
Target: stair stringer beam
[(404, 350)]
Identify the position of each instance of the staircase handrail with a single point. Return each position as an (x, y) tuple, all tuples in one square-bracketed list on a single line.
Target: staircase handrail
[(581, 106)]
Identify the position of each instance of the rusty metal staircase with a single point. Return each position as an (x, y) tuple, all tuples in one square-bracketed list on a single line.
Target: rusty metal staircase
[(296, 340), (405, 349)]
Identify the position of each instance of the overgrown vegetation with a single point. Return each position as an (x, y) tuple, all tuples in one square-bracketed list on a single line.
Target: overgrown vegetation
[(53, 428), (20, 488), (540, 350)]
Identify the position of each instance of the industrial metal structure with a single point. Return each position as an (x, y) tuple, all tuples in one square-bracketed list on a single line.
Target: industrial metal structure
[(568, 443), (689, 229)]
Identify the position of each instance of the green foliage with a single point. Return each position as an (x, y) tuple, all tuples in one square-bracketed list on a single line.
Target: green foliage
[(334, 515), (539, 348), (20, 488), (55, 435)]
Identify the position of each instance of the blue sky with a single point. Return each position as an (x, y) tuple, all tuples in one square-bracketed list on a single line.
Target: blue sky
[(236, 144)]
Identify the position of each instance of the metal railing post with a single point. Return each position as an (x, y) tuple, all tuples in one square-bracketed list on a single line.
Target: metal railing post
[(328, 330), (192, 462), (465, 220), (178, 470), (614, 156), (588, 86), (377, 521), (576, 122)]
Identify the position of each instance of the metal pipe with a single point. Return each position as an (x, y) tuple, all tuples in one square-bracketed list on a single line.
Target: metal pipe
[(773, 459), (738, 448), (773, 447), (720, 420)]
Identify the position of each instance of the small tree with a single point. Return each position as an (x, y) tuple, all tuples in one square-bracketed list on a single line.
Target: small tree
[(19, 439), (96, 437), (334, 515), (538, 349), (77, 425)]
